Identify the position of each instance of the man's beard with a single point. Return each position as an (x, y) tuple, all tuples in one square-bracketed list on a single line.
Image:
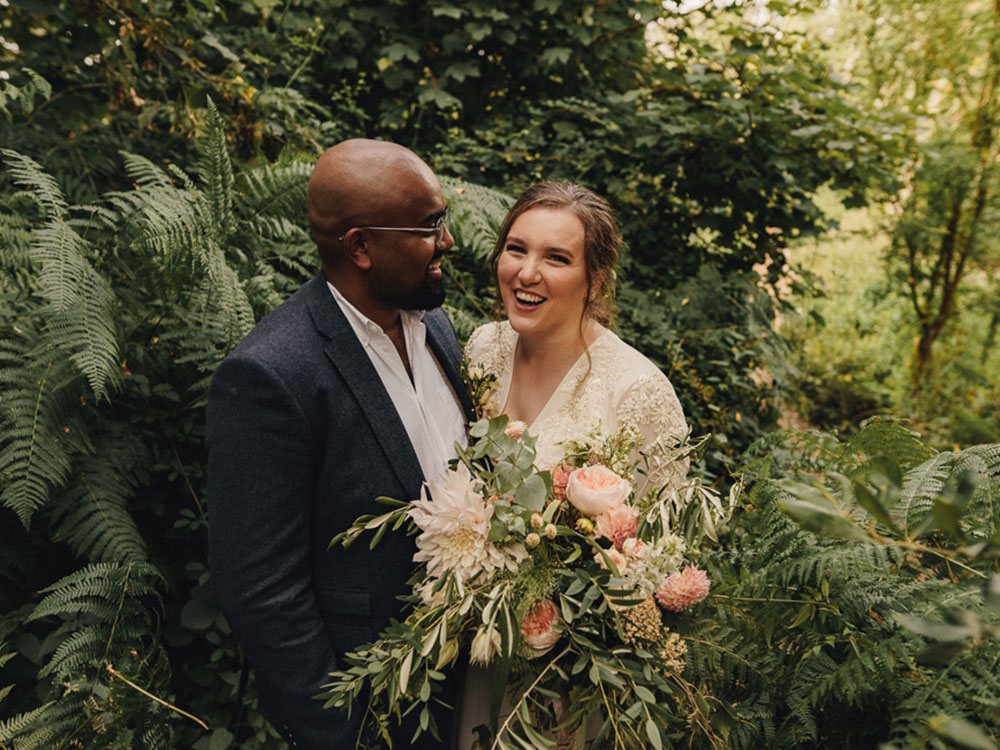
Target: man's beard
[(427, 296)]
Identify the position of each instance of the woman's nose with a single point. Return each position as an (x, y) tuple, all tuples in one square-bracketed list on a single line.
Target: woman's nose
[(529, 271)]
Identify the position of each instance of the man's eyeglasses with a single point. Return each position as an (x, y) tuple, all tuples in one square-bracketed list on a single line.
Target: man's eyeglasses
[(437, 230)]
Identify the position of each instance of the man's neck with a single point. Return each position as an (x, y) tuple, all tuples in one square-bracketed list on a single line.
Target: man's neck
[(388, 319)]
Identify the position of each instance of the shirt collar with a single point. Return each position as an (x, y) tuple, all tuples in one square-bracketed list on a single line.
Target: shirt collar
[(364, 327)]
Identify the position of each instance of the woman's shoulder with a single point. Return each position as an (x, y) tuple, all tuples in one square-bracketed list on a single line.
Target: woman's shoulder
[(628, 362), (642, 393), (491, 345)]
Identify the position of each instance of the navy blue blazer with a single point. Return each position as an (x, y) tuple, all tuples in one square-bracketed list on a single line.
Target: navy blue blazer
[(302, 437)]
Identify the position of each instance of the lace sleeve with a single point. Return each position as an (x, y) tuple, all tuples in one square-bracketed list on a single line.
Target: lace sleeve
[(652, 406), (491, 347)]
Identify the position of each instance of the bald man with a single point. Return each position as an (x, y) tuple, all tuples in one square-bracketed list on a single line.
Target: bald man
[(346, 392)]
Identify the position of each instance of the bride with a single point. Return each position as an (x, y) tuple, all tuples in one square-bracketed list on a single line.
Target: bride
[(559, 368)]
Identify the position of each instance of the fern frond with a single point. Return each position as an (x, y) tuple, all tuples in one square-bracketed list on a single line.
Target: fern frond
[(37, 439), (91, 514), (97, 589), (478, 212), (275, 193), (143, 172), (216, 173), (42, 186), (81, 318), (883, 436), (17, 726)]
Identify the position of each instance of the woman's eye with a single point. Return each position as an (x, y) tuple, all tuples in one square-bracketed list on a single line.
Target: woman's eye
[(561, 259), (514, 249)]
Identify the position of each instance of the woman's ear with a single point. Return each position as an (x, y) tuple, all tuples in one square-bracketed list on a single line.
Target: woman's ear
[(597, 284), (357, 250)]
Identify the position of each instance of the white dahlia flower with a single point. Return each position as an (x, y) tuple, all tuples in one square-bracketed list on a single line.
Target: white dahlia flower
[(454, 525)]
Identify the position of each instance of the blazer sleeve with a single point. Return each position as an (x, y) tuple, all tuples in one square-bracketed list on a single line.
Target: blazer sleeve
[(261, 472)]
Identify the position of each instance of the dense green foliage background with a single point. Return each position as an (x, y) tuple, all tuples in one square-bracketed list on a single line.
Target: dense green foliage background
[(152, 209)]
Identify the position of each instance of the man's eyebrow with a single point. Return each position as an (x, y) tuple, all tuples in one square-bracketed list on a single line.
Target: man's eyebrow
[(433, 217)]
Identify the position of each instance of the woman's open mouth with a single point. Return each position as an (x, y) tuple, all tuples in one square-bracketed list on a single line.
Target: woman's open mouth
[(527, 298)]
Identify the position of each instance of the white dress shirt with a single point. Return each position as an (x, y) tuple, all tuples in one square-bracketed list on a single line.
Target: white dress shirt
[(427, 405)]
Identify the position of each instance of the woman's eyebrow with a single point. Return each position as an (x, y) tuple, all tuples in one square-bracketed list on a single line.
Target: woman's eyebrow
[(519, 241)]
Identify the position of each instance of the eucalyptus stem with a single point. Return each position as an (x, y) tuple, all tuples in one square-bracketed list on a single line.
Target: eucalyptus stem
[(118, 675)]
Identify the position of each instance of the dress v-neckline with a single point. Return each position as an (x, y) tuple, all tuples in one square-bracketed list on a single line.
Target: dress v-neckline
[(508, 377)]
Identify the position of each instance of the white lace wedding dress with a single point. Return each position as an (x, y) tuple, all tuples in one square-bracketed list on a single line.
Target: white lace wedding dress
[(616, 385)]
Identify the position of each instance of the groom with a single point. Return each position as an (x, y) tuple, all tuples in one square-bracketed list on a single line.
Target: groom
[(346, 392)]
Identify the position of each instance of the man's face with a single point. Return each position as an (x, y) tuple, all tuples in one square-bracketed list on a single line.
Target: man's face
[(406, 267)]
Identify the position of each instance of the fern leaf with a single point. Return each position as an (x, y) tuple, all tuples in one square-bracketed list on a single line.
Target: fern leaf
[(920, 486), (216, 172), (143, 172), (35, 453), (478, 213), (16, 726), (91, 514), (81, 320), (96, 589), (41, 186)]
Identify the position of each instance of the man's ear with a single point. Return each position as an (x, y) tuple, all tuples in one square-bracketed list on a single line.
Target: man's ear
[(357, 250)]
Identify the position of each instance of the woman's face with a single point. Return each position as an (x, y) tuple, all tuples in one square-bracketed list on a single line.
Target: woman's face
[(542, 272)]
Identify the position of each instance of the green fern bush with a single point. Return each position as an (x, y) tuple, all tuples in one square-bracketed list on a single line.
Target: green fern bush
[(857, 597), (114, 317)]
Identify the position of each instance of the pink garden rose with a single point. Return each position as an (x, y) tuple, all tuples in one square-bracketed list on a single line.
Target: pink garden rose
[(620, 561), (594, 490), (537, 628), (618, 524), (683, 589)]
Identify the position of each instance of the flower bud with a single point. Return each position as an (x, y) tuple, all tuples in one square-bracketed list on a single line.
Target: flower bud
[(515, 429), (537, 521), (551, 530), (532, 540), (585, 526)]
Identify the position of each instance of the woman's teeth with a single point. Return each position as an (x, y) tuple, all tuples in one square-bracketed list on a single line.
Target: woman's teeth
[(528, 298)]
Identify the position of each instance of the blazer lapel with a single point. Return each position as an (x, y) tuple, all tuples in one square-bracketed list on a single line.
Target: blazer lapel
[(438, 338), (350, 359)]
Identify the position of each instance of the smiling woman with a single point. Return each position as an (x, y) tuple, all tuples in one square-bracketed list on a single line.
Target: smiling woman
[(558, 367)]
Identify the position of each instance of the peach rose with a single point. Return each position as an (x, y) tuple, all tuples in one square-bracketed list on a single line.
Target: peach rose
[(538, 625), (620, 561), (594, 490)]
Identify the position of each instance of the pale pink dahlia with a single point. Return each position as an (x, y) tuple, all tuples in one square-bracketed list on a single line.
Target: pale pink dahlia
[(618, 524), (683, 589), (560, 477)]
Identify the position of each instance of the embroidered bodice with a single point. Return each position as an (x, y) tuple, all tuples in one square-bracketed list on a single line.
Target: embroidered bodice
[(616, 386)]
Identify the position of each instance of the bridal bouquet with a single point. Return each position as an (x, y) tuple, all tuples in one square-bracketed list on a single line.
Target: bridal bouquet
[(562, 578)]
